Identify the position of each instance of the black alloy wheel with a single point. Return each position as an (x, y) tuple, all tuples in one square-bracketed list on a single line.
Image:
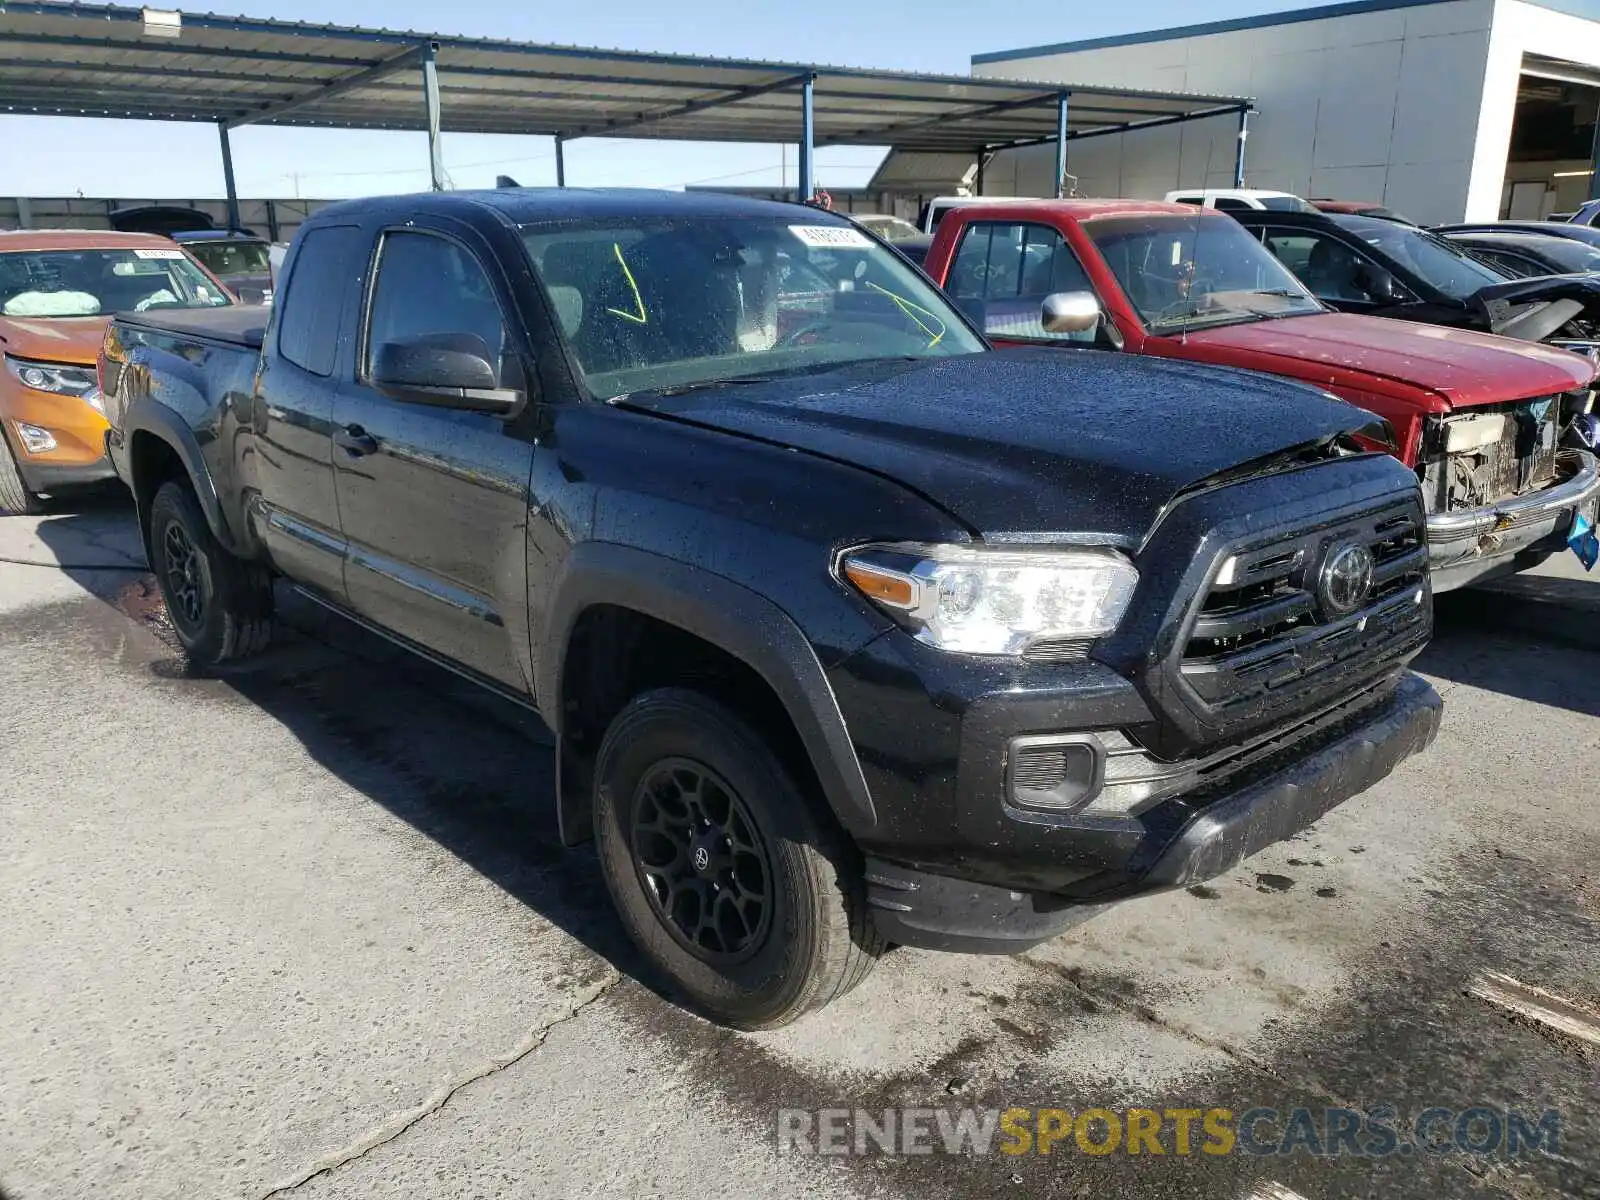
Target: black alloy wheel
[(186, 587), (701, 860)]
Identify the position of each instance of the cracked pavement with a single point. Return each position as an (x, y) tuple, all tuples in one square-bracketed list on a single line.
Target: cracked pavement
[(303, 930)]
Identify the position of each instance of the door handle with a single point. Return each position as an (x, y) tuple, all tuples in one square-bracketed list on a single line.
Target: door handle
[(355, 441)]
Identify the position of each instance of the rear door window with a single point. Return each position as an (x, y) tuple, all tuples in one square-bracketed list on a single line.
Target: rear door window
[(1003, 271), (311, 313)]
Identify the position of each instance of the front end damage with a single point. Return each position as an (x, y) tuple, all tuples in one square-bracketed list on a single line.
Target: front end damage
[(1504, 484), (1560, 310)]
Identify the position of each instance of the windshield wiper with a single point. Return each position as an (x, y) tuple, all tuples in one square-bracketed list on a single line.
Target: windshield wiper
[(683, 389)]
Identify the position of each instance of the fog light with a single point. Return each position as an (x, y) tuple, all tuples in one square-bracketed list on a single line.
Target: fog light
[(36, 440), (1054, 774)]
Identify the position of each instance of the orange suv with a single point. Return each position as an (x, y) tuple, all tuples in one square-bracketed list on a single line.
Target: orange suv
[(58, 289)]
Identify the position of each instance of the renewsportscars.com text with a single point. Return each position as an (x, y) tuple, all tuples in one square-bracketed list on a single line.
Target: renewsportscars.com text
[(1378, 1132)]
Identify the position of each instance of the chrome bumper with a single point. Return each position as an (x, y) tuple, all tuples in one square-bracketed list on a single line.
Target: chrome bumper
[(1466, 546)]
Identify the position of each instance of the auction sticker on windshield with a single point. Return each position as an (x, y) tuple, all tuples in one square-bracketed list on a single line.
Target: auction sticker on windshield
[(158, 253), (831, 237)]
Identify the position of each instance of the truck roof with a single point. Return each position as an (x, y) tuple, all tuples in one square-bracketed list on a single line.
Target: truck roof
[(1088, 210), (553, 204)]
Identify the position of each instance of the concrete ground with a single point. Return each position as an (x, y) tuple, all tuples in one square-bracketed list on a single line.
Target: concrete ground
[(303, 930)]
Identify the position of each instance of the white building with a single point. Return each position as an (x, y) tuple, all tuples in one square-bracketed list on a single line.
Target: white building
[(1442, 109)]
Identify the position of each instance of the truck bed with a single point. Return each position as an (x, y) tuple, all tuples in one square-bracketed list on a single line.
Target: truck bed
[(239, 325)]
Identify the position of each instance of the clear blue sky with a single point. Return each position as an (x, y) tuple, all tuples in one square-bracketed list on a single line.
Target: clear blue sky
[(63, 156)]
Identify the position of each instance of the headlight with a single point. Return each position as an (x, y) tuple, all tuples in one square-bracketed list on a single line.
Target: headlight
[(981, 600), (54, 377)]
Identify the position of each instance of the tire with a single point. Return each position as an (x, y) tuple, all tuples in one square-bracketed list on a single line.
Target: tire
[(15, 497), (808, 943), (220, 606)]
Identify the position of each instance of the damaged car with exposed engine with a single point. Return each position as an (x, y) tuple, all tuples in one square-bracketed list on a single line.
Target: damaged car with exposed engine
[(1383, 268), (1499, 431)]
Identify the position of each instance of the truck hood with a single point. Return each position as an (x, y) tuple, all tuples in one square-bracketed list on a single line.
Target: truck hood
[(73, 340), (1536, 308), (1464, 367), (1028, 443)]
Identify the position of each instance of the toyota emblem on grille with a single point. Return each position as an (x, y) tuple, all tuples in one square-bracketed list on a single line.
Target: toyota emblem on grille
[(1346, 579)]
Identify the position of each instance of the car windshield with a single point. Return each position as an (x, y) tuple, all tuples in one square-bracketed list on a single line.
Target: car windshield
[(225, 259), (656, 304), (1182, 272), (1563, 255), (85, 283), (890, 229), (1447, 267)]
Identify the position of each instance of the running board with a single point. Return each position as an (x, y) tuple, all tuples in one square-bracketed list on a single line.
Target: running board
[(489, 685)]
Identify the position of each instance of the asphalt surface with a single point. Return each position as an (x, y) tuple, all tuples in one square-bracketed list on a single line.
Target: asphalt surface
[(304, 930)]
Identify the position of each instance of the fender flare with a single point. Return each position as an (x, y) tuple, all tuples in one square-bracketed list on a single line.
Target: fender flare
[(147, 416), (731, 617)]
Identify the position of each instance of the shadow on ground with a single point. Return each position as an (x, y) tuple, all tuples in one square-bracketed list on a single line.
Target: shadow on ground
[(1483, 639), (473, 772)]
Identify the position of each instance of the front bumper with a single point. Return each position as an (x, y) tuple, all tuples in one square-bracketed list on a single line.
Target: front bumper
[(78, 429), (47, 477), (1183, 842), (1464, 547)]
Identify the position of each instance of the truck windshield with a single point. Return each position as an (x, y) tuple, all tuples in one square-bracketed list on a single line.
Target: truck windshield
[(224, 259), (653, 304), (85, 283), (1183, 272), (890, 229)]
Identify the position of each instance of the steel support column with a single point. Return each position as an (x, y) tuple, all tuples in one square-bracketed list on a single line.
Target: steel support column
[(227, 175), (977, 183), (1594, 164), (808, 139), (1063, 99), (1238, 154), (430, 97), (561, 161)]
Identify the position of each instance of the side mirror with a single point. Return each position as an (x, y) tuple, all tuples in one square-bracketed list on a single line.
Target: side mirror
[(1070, 312), (447, 370), (1378, 284)]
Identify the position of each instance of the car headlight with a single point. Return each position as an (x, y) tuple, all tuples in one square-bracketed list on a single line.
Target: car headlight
[(59, 378), (983, 600)]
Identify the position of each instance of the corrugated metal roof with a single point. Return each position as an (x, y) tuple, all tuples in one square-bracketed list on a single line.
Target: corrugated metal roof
[(100, 60)]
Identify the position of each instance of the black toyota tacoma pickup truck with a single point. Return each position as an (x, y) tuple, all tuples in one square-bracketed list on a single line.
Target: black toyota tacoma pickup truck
[(853, 631)]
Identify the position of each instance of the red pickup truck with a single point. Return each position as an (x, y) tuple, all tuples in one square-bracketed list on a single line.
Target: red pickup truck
[(1491, 425)]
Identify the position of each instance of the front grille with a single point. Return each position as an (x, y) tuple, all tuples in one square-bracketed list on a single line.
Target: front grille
[(1268, 620), (1522, 458)]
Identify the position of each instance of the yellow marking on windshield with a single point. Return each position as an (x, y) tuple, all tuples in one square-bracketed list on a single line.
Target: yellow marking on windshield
[(911, 310), (641, 317)]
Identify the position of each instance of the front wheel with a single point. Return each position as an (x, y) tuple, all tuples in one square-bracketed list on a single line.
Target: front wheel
[(14, 494), (722, 872), (220, 606)]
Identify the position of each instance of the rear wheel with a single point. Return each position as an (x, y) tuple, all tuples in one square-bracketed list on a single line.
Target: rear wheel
[(220, 605), (14, 494), (722, 872)]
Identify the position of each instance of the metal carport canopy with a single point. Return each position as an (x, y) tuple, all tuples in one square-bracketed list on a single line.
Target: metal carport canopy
[(97, 60)]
